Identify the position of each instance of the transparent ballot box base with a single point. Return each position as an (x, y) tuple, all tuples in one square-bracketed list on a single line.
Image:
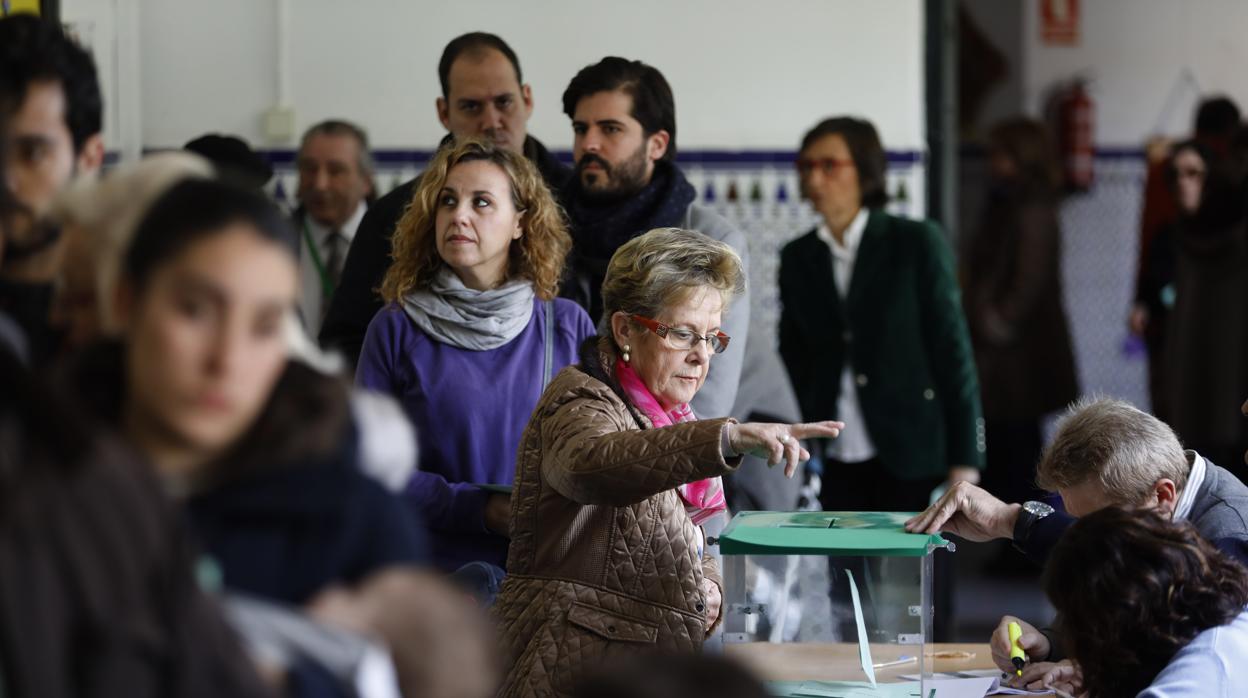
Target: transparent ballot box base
[(829, 603)]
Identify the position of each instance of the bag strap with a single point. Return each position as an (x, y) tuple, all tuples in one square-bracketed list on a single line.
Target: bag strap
[(550, 342)]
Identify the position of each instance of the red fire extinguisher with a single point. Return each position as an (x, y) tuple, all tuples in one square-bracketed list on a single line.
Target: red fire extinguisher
[(1074, 133)]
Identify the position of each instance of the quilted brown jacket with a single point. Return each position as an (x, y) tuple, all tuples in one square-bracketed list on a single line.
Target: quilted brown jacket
[(603, 560)]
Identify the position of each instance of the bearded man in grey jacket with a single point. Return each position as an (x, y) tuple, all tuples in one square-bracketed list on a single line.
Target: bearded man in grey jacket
[(626, 183)]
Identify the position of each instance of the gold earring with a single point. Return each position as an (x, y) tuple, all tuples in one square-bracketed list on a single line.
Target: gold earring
[(625, 356)]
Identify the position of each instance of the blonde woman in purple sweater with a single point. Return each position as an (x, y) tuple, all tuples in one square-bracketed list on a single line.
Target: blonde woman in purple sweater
[(470, 334)]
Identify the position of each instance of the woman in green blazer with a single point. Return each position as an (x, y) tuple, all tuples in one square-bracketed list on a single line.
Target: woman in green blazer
[(873, 333)]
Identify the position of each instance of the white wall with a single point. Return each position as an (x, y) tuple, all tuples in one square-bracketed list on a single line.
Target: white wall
[(746, 74), (1135, 51)]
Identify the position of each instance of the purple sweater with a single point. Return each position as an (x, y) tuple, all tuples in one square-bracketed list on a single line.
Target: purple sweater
[(469, 409)]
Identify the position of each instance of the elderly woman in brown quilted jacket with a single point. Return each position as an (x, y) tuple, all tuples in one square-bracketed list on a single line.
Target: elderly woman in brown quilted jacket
[(614, 475)]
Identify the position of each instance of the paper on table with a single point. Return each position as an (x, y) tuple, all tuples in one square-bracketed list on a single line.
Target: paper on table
[(864, 647), (949, 688), (847, 689), (959, 688), (996, 689)]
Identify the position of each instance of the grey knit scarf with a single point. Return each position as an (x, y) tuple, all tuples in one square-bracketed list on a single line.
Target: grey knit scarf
[(454, 314)]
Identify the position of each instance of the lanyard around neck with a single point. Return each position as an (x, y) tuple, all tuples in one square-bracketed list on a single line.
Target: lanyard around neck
[(327, 284)]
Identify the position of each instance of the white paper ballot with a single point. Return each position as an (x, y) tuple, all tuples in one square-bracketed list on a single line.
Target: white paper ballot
[(864, 647)]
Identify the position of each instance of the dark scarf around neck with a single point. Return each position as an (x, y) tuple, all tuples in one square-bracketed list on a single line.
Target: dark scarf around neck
[(598, 229)]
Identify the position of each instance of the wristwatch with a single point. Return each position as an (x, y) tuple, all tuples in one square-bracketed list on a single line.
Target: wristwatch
[(1031, 513)]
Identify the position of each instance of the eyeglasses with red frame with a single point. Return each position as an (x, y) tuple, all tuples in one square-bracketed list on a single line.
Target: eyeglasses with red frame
[(682, 339), (826, 165)]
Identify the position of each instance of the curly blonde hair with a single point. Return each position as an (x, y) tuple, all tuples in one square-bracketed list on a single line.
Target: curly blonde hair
[(538, 255)]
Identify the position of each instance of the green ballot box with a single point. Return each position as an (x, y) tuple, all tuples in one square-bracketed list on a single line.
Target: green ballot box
[(830, 603)]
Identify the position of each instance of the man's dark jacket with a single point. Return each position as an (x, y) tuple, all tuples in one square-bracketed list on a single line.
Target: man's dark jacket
[(1219, 513)]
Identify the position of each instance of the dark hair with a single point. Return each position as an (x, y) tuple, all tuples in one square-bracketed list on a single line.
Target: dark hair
[(474, 42), (194, 209), (654, 107), (233, 159), (1217, 116), (671, 676), (1027, 144), (865, 149), (341, 127), (1133, 589), (1171, 174), (34, 50), (1222, 194)]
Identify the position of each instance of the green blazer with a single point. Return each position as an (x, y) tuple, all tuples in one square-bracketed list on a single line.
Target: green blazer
[(903, 332)]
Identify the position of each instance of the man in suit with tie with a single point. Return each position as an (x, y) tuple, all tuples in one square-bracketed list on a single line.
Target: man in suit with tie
[(335, 187)]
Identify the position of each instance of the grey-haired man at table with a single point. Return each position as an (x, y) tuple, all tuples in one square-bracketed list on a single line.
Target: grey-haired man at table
[(1105, 453)]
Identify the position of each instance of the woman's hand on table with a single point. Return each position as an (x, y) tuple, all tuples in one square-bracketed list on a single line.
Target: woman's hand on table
[(1063, 676), (1032, 641), (778, 443)]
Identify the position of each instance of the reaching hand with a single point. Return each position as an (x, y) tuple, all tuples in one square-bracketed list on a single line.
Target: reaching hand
[(967, 511), (1033, 642), (779, 442)]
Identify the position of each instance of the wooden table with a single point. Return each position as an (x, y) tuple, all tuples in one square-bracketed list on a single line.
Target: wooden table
[(839, 661)]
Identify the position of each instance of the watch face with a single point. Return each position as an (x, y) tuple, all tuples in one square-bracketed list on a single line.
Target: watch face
[(1039, 509)]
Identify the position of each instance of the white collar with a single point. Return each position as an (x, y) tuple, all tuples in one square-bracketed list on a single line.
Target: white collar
[(852, 237), (1195, 479), (319, 231)]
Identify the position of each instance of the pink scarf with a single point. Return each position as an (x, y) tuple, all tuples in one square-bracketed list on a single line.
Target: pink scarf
[(704, 498)]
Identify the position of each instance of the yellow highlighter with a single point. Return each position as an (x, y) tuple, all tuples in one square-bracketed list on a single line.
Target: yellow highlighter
[(1017, 658)]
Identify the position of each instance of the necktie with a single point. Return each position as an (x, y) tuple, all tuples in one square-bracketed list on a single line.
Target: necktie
[(335, 256)]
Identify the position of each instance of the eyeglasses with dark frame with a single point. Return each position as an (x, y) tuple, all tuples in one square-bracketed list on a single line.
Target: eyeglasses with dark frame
[(826, 165), (682, 339)]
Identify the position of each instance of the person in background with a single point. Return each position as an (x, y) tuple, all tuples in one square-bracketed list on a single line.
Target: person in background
[(1104, 453), (97, 588), (50, 97), (96, 583), (484, 96), (872, 333), (1183, 171), (1149, 609), (260, 451), (233, 159), (99, 221), (616, 476), (1014, 305), (1216, 121), (626, 182), (336, 186), (1206, 345), (471, 335)]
